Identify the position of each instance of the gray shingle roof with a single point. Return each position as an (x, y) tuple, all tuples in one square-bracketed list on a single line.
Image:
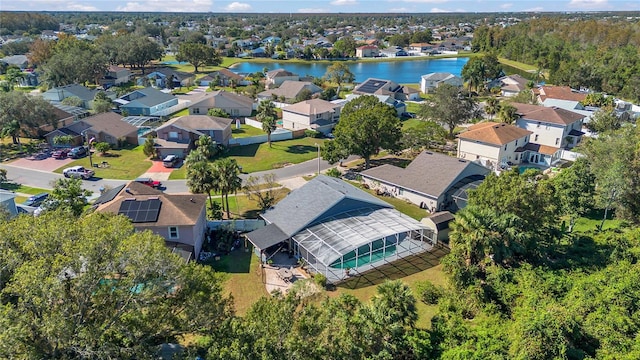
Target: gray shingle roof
[(308, 204), (430, 173), (150, 96)]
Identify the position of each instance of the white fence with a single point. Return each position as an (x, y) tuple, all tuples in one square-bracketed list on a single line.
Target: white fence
[(237, 225), (173, 109), (277, 135), (570, 155), (254, 123)]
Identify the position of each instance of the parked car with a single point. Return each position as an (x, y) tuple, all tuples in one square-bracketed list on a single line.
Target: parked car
[(60, 154), (78, 152), (149, 182), (36, 200), (170, 161), (78, 172)]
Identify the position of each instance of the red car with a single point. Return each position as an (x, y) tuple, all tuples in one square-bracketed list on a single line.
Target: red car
[(149, 182), (60, 154)]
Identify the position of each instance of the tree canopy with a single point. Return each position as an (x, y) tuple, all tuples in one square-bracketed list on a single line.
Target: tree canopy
[(449, 107)]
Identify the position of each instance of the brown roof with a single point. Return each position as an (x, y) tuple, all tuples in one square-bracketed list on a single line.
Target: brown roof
[(560, 93), (110, 123), (175, 210), (542, 149), (553, 115), (198, 122), (210, 99), (494, 133), (61, 114), (313, 106)]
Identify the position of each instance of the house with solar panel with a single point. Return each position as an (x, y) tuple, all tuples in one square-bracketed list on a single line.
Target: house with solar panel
[(179, 219), (373, 86), (339, 230)]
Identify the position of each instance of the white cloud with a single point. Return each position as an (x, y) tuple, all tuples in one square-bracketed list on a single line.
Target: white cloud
[(48, 5), (506, 6), (238, 6), (344, 2), (534, 9), (589, 4), (313, 11), (438, 10), (168, 6), (400, 10), (427, 1)]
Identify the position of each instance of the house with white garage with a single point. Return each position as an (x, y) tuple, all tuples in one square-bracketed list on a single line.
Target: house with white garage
[(433, 181), (314, 114), (496, 145), (430, 82)]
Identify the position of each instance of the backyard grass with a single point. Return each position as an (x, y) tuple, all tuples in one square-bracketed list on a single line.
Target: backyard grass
[(413, 107), (183, 112), (410, 123), (241, 207), (592, 221), (246, 131), (23, 189), (242, 278), (124, 164)]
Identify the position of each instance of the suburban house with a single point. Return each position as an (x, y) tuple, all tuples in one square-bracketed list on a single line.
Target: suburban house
[(551, 126), (571, 105), (373, 86), (20, 61), (433, 181), (165, 77), (275, 78), (116, 75), (232, 104), (338, 230), (179, 219), (393, 52), (389, 100), (222, 77), (104, 127), (57, 94), (289, 90), (559, 93), (421, 48), (510, 85), (496, 145), (430, 82), (367, 51), (178, 135), (314, 114), (64, 115), (147, 101)]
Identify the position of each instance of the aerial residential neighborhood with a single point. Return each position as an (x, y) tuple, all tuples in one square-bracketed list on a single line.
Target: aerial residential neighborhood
[(242, 182)]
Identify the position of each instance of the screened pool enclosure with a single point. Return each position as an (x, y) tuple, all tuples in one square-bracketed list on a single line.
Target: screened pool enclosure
[(359, 240)]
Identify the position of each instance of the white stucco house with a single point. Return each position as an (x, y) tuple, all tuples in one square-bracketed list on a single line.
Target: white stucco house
[(493, 144), (430, 82), (314, 114), (550, 126)]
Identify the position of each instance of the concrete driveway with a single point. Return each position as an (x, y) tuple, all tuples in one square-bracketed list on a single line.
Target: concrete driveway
[(47, 164)]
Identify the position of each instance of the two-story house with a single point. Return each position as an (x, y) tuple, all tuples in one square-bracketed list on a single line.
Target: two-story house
[(551, 126), (275, 78), (115, 75), (430, 82), (367, 51), (314, 114), (232, 104), (493, 144), (178, 135)]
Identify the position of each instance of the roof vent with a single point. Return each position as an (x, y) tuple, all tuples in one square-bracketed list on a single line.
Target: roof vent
[(128, 191)]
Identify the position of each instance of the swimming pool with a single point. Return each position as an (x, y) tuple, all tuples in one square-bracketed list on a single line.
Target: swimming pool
[(175, 62), (523, 168)]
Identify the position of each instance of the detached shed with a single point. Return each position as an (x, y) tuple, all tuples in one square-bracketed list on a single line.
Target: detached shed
[(439, 223)]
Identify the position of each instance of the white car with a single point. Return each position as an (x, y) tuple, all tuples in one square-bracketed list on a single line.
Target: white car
[(78, 172)]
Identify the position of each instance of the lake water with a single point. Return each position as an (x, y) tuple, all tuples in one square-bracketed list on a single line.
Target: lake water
[(401, 72)]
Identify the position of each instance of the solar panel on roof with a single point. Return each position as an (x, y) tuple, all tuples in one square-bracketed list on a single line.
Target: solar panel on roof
[(140, 211)]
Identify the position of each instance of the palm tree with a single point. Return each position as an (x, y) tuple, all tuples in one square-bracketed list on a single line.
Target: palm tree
[(206, 146), (226, 172), (396, 303), (201, 179), (194, 157), (267, 115), (492, 107), (507, 113)]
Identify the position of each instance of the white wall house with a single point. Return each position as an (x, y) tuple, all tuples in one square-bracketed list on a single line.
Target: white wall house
[(314, 114), (430, 82), (275, 78), (551, 126), (495, 144)]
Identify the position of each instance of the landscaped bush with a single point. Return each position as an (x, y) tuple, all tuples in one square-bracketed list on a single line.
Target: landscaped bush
[(333, 172), (429, 293), (312, 133), (320, 279)]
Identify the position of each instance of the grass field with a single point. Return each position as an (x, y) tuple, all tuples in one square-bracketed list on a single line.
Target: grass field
[(23, 189), (409, 123), (241, 207), (246, 131), (226, 62), (592, 221), (516, 64), (124, 164)]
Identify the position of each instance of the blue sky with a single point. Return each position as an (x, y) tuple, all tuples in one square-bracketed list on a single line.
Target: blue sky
[(322, 6)]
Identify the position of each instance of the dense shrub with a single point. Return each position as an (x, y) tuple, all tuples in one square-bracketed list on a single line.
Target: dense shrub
[(320, 279), (428, 293), (312, 133)]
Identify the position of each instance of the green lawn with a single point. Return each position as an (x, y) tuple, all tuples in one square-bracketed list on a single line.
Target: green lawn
[(591, 222), (516, 64), (246, 131), (183, 112), (124, 164), (413, 107), (241, 207), (226, 62), (23, 189), (243, 278), (259, 157), (409, 123)]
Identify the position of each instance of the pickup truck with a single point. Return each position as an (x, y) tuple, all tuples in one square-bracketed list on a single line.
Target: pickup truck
[(78, 172)]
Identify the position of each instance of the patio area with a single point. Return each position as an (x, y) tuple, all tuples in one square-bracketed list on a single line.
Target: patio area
[(281, 273)]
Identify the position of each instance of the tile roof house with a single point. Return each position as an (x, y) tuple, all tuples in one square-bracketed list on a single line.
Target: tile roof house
[(275, 78), (57, 94), (373, 86), (493, 144), (551, 126), (147, 101), (290, 90), (336, 228), (232, 104), (179, 219), (432, 181), (430, 82), (104, 127), (178, 135), (510, 85), (314, 114)]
